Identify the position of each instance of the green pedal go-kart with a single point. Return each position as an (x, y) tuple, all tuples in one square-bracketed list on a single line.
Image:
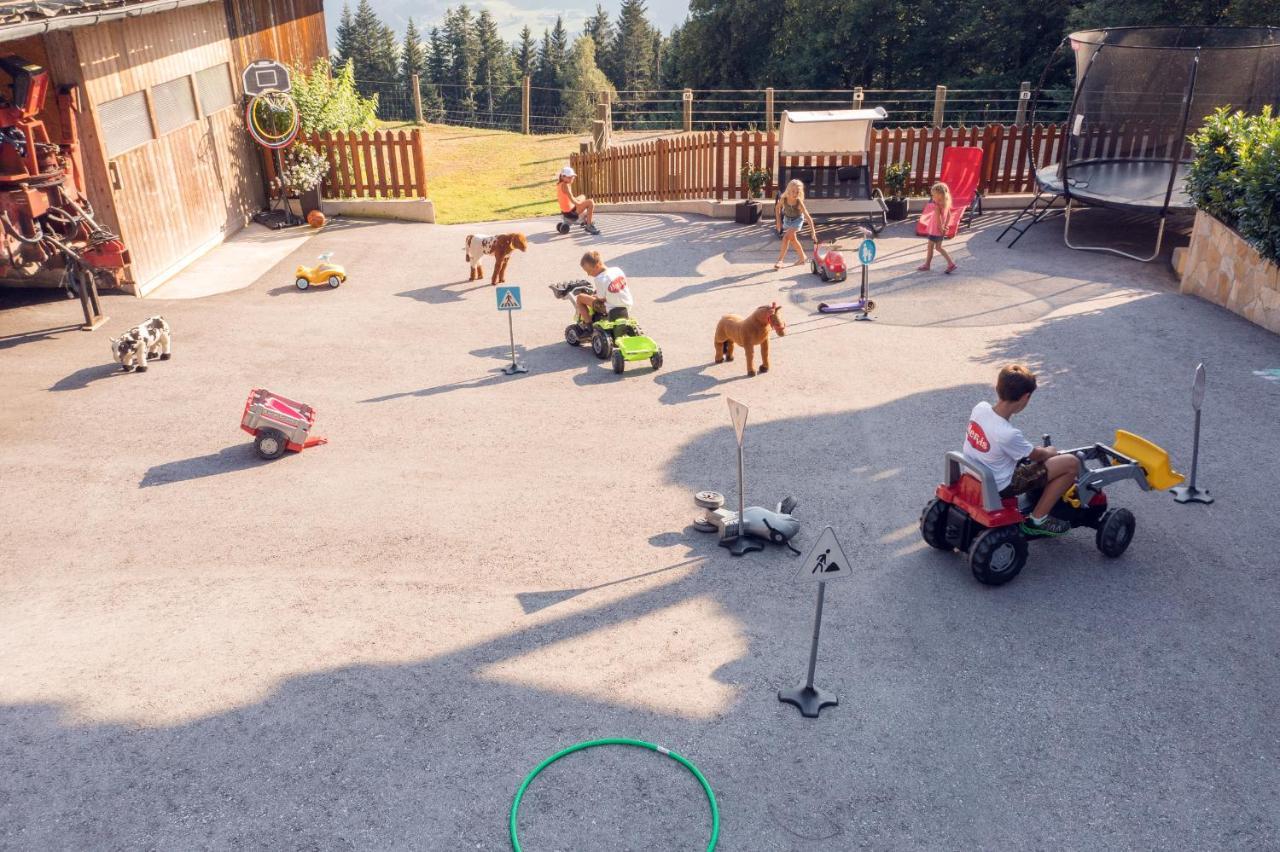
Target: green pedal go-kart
[(617, 340)]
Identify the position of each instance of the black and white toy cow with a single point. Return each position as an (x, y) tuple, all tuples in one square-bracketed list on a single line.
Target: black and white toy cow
[(132, 349)]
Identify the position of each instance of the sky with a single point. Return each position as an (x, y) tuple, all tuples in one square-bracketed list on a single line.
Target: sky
[(510, 15)]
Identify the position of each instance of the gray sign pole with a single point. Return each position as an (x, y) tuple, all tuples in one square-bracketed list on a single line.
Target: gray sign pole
[(1189, 493), (824, 561), (738, 542)]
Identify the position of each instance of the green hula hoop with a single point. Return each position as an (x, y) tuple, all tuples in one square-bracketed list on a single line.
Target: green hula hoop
[(706, 788)]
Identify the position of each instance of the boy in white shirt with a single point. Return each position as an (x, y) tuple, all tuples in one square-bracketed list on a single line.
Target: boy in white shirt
[(1018, 465), (613, 296)]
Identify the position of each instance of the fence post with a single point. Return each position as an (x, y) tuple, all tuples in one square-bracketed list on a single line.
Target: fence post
[(688, 110), (417, 99), (720, 176), (768, 109), (524, 106), (857, 97), (1024, 97), (602, 127), (420, 161), (660, 168), (939, 104)]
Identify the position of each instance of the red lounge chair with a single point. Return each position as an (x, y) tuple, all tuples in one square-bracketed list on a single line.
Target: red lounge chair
[(961, 170)]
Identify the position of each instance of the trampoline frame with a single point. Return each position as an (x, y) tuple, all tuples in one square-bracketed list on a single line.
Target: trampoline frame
[(1174, 162)]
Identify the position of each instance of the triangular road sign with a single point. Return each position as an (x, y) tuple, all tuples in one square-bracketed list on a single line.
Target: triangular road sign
[(738, 414), (509, 301), (825, 560)]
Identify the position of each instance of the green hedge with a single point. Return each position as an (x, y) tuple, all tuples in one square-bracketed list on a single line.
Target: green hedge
[(1235, 175)]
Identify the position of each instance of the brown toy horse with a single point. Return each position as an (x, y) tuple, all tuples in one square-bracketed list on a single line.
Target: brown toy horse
[(749, 333)]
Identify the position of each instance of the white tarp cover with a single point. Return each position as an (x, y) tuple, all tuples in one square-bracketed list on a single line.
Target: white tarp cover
[(832, 131)]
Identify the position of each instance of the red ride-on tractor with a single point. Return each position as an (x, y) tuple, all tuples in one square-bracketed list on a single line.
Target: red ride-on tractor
[(968, 514)]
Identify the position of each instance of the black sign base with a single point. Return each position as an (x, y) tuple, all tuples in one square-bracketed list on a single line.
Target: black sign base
[(809, 699), (1190, 494), (740, 544)]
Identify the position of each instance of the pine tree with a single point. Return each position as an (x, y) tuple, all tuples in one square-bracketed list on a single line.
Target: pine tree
[(413, 54), (632, 55), (460, 74), (548, 76), (342, 46), (494, 70), (600, 28), (525, 52)]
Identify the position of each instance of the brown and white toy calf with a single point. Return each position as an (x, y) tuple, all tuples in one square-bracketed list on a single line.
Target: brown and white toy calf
[(145, 340), (501, 247)]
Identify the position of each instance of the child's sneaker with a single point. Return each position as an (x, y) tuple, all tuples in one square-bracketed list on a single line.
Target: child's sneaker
[(592, 230), (1050, 527)]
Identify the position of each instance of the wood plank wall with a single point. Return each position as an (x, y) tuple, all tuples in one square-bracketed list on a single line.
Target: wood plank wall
[(288, 31), (181, 193)]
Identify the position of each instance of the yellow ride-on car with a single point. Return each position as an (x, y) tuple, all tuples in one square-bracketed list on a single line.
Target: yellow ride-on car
[(326, 273)]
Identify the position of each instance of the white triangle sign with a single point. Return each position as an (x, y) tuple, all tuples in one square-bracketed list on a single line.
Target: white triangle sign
[(738, 414), (825, 560)]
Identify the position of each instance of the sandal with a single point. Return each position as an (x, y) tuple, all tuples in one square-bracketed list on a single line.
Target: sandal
[(952, 268), (924, 268), (777, 266)]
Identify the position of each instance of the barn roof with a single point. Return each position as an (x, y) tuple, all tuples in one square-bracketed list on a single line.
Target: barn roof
[(20, 18)]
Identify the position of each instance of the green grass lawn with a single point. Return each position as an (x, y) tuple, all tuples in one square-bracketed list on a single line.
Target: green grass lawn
[(480, 175)]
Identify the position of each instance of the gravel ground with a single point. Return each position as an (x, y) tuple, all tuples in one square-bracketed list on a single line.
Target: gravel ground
[(368, 645)]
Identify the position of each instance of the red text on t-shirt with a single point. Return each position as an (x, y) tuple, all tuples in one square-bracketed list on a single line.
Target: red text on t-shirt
[(978, 438)]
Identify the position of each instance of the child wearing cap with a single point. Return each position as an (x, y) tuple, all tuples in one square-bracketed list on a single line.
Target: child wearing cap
[(575, 207)]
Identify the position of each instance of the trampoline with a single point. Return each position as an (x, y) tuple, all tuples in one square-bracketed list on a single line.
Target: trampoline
[(1139, 92)]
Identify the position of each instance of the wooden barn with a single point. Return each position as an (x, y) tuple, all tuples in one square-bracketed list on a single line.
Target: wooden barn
[(167, 163)]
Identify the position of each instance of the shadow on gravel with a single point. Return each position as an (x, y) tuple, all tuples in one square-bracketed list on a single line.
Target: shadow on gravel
[(443, 294), (81, 378), (227, 460)]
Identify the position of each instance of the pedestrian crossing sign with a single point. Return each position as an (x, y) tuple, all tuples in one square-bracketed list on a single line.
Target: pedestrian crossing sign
[(508, 298)]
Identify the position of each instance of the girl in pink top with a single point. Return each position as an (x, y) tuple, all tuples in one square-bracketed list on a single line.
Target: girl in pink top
[(941, 195)]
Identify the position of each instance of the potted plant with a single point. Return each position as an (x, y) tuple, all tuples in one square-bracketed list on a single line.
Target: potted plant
[(896, 176), (304, 170), (748, 212)]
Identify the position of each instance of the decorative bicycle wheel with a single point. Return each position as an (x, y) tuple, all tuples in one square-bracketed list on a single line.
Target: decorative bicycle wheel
[(272, 119)]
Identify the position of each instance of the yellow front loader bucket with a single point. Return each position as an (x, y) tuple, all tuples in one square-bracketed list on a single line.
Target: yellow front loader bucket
[(1153, 459)]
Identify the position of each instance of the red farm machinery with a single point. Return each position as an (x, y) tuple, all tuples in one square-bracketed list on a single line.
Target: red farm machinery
[(46, 221)]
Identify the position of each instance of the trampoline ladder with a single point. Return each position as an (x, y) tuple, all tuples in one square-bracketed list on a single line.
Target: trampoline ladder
[(1040, 206)]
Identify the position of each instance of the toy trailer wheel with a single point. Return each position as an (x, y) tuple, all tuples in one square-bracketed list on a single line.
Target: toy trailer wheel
[(997, 555), (1115, 531), (601, 344), (334, 281), (933, 525), (619, 363), (302, 283), (270, 443)]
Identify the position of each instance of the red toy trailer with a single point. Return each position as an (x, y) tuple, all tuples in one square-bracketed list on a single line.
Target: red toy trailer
[(278, 424)]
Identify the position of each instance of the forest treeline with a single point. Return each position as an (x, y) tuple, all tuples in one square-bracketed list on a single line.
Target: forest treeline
[(470, 74)]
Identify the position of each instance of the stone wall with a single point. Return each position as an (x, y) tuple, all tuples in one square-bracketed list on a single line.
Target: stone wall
[(1222, 268)]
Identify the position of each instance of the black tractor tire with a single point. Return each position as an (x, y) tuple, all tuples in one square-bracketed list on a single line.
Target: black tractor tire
[(933, 524), (997, 555), (655, 360), (1115, 532), (571, 335), (601, 344), (270, 443), (619, 363)]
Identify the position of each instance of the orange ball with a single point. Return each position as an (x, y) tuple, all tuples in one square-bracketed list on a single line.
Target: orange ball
[(315, 219)]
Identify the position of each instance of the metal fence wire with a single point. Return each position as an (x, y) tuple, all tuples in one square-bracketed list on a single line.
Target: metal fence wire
[(550, 110)]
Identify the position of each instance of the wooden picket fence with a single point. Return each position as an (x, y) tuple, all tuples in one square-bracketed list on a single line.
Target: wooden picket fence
[(378, 164), (707, 165)]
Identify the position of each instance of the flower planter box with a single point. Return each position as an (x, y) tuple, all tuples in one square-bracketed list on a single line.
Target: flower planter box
[(1222, 268), (747, 212)]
